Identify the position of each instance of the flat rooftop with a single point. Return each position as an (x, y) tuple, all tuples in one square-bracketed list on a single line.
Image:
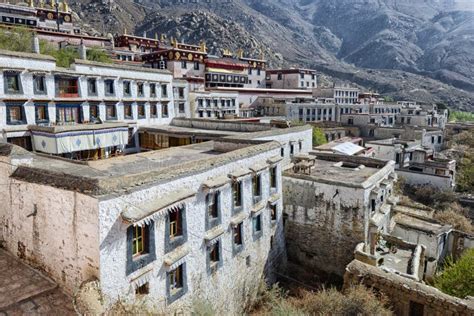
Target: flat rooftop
[(125, 173), (339, 173)]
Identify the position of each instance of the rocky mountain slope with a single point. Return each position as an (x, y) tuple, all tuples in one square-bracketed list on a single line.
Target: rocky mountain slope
[(418, 49)]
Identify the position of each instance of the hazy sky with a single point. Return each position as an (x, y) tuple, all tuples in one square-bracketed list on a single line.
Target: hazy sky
[(465, 4)]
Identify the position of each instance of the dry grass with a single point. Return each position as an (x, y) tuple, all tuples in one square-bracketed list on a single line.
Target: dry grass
[(456, 219)]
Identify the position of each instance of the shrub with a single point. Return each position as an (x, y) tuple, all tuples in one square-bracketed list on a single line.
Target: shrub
[(95, 54), (458, 116), (318, 137), (457, 278), (17, 39), (456, 219)]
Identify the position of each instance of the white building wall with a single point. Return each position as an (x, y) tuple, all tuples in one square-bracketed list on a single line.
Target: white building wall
[(232, 284)]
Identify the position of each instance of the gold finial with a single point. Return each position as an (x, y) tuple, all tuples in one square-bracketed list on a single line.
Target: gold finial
[(65, 6), (156, 36), (203, 47), (41, 3), (31, 3), (226, 53), (174, 42), (240, 53), (53, 3), (124, 31), (163, 37), (262, 55)]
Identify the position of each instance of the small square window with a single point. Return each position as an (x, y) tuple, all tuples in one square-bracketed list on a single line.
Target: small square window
[(213, 205), (196, 65), (176, 224), (109, 87), (139, 240), (126, 89), (153, 110), (15, 115), (141, 111), (12, 82), (184, 64), (39, 84), (127, 111), (140, 89), (111, 112), (143, 290), (237, 235), (92, 87), (164, 110), (181, 108), (164, 90), (93, 112), (41, 113), (237, 193), (152, 90)]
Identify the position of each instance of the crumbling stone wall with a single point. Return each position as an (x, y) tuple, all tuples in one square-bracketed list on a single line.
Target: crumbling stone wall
[(406, 295), (324, 224)]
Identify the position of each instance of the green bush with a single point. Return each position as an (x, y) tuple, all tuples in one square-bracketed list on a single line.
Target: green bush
[(95, 54), (318, 137), (18, 39), (457, 277), (458, 116)]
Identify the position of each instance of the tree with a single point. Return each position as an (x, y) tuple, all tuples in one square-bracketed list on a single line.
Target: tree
[(319, 138), (95, 54), (457, 277)]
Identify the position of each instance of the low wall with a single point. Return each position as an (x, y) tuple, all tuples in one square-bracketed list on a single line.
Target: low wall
[(220, 125), (421, 179), (408, 297)]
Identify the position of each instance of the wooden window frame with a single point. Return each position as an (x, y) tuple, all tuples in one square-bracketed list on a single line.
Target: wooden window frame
[(257, 185), (213, 205), (237, 235), (175, 224), (139, 235), (175, 278), (237, 194)]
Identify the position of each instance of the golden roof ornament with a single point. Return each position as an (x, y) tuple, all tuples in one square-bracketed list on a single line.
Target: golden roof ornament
[(174, 42), (163, 37), (262, 55), (124, 31), (226, 52), (31, 3), (203, 47), (65, 6), (41, 3), (240, 53), (156, 36)]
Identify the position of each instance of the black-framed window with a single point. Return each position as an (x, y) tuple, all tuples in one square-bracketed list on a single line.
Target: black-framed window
[(164, 90), (176, 283), (68, 113), (127, 111), (93, 112), (140, 246), (15, 114), (257, 187), (257, 228), (39, 84), (140, 89), (92, 87), (237, 194), (110, 112), (273, 177), (214, 256), (273, 213), (237, 238), (181, 92), (153, 111), (12, 83), (181, 108), (141, 110), (109, 87), (213, 214), (127, 90), (164, 110), (152, 90), (175, 230), (184, 64), (41, 113), (196, 65)]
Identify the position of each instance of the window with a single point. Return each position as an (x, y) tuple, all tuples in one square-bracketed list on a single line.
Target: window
[(67, 87), (110, 112), (372, 205), (280, 76), (292, 149), (41, 113), (273, 212), (184, 64), (141, 110), (257, 223), (432, 139), (439, 139), (212, 201), (140, 89), (196, 65), (143, 290), (140, 246), (256, 186), (237, 193), (214, 256), (181, 108), (109, 87), (93, 112), (181, 92), (259, 71), (152, 90), (139, 240), (176, 223), (237, 235), (175, 278), (302, 75), (12, 82), (126, 89), (68, 114), (273, 177), (164, 110), (39, 83), (153, 110), (15, 114), (127, 111), (164, 90), (92, 87)]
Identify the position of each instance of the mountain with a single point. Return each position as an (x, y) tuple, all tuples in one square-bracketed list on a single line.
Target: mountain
[(417, 49)]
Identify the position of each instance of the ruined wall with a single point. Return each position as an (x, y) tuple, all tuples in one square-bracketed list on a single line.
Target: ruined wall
[(324, 224), (52, 229), (421, 179), (407, 295)]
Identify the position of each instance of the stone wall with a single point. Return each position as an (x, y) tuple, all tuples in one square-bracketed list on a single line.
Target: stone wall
[(325, 223), (407, 295)]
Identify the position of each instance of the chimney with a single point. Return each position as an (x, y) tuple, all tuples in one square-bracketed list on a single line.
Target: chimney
[(82, 50), (35, 44)]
